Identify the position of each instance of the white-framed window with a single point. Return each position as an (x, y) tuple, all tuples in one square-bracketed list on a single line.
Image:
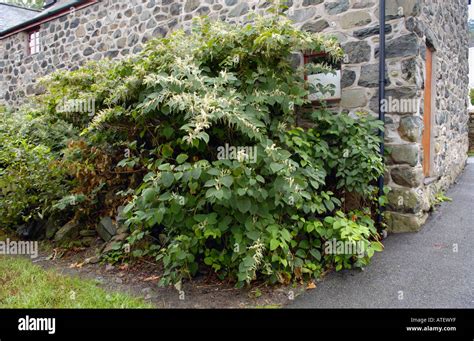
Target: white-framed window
[(34, 41)]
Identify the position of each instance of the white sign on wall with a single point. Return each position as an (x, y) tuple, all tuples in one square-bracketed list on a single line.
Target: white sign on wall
[(325, 80)]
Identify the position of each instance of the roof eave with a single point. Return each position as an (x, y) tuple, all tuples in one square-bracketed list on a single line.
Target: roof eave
[(45, 17), (20, 7)]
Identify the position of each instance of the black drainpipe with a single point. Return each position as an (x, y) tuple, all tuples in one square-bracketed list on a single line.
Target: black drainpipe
[(381, 98)]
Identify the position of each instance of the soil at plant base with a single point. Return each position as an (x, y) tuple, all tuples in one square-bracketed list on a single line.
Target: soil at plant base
[(140, 279)]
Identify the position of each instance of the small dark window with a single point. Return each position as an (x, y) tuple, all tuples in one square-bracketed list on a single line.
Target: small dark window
[(34, 41)]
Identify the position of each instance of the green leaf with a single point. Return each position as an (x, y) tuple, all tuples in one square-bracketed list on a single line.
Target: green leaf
[(211, 192), (181, 158), (243, 204), (286, 235), (227, 181), (304, 244), (128, 208), (137, 253), (214, 171), (219, 194), (274, 244), (149, 194), (167, 151), (167, 132), (377, 246), (276, 167), (253, 235), (301, 253), (316, 254), (210, 183), (157, 217), (241, 191), (196, 173), (167, 179)]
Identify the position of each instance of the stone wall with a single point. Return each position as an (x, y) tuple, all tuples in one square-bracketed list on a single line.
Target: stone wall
[(447, 29), (116, 28), (113, 29), (444, 28), (471, 131)]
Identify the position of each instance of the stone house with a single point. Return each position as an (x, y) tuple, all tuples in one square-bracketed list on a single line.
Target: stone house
[(471, 130), (426, 60)]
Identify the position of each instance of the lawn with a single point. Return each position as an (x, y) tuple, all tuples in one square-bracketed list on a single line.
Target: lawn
[(25, 285)]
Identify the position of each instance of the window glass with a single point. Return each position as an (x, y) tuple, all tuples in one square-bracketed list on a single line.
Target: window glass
[(34, 42)]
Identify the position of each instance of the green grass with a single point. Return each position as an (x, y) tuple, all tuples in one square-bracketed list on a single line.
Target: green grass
[(25, 285), (470, 154), (270, 306)]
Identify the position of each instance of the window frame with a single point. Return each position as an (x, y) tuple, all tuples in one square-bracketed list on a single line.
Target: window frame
[(307, 57), (428, 112), (34, 45)]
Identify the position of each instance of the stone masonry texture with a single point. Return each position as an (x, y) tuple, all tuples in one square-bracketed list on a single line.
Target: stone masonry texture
[(117, 28), (471, 131)]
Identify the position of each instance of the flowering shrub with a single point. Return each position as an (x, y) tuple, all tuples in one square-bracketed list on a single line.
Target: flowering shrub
[(165, 118)]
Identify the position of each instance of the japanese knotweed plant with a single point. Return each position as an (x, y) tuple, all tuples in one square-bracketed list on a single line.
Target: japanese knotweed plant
[(187, 97)]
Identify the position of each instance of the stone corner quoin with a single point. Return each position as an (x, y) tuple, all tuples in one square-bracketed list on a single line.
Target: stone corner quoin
[(114, 29)]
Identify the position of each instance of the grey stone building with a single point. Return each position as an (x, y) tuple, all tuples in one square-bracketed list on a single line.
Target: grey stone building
[(426, 60), (471, 130)]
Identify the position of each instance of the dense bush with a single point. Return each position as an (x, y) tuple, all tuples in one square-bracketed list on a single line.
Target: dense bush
[(156, 142), (31, 180)]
